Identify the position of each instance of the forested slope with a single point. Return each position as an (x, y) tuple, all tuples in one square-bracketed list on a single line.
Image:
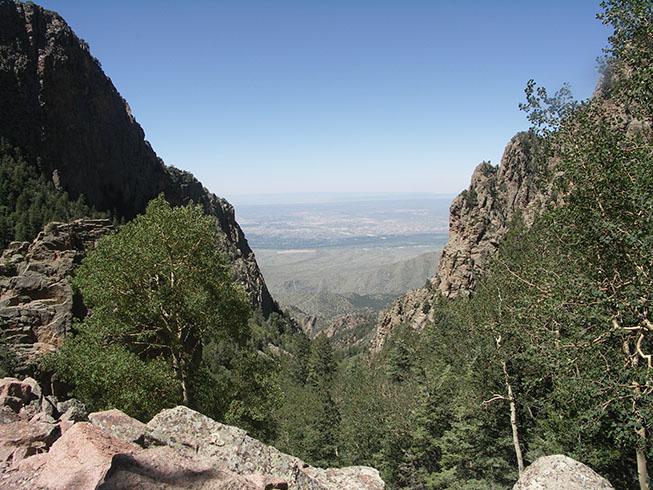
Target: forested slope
[(551, 350)]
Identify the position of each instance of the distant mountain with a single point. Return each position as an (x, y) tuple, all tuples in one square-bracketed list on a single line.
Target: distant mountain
[(348, 285), (69, 120)]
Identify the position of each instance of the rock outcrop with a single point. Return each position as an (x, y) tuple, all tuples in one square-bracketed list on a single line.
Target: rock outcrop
[(231, 449), (30, 422), (36, 300), (59, 107), (478, 219), (558, 472), (409, 310), (179, 448)]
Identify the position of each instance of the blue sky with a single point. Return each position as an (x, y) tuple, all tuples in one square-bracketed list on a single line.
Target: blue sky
[(342, 95)]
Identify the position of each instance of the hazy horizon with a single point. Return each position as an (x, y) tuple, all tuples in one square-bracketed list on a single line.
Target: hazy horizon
[(262, 199)]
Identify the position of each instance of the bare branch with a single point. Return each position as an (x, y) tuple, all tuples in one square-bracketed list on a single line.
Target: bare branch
[(494, 398)]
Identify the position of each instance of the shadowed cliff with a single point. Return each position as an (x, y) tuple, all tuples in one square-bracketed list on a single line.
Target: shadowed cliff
[(60, 108)]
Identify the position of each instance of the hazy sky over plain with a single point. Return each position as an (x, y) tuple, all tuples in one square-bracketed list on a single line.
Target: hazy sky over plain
[(266, 96)]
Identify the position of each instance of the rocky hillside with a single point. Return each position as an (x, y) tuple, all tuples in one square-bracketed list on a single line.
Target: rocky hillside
[(47, 444), (479, 218), (60, 108)]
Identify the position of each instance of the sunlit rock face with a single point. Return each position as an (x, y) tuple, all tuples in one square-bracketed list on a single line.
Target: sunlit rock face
[(480, 216), (36, 300)]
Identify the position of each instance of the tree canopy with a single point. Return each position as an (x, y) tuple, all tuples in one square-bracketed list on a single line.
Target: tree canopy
[(158, 291)]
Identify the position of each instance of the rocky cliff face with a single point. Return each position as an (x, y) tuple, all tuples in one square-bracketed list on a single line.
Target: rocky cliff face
[(57, 445), (478, 219), (59, 107), (408, 310), (36, 300)]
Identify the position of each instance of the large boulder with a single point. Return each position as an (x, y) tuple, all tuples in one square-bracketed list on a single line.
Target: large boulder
[(228, 448), (358, 477), (178, 449), (231, 449), (15, 393), (21, 439), (119, 424), (81, 458), (30, 422), (560, 472), (48, 444), (164, 468), (24, 400), (88, 457)]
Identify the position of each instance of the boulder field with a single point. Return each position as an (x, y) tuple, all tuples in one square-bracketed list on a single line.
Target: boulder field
[(48, 444)]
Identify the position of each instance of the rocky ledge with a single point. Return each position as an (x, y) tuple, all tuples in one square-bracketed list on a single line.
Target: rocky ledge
[(36, 300), (480, 216), (46, 444)]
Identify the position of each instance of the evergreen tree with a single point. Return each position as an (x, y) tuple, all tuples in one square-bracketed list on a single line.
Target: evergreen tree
[(322, 368), (29, 200)]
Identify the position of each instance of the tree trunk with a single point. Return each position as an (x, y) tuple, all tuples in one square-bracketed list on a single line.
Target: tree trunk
[(180, 368), (513, 421), (184, 392), (642, 471), (182, 378)]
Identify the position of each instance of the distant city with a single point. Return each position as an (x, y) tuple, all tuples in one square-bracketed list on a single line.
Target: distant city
[(345, 220)]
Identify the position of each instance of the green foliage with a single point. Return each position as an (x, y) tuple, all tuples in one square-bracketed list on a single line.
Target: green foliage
[(276, 330), (296, 367), (321, 364), (158, 291), (255, 395), (470, 198), (400, 361), (630, 54), (546, 112), (309, 419), (109, 375), (570, 297), (29, 200), (7, 358), (307, 425)]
